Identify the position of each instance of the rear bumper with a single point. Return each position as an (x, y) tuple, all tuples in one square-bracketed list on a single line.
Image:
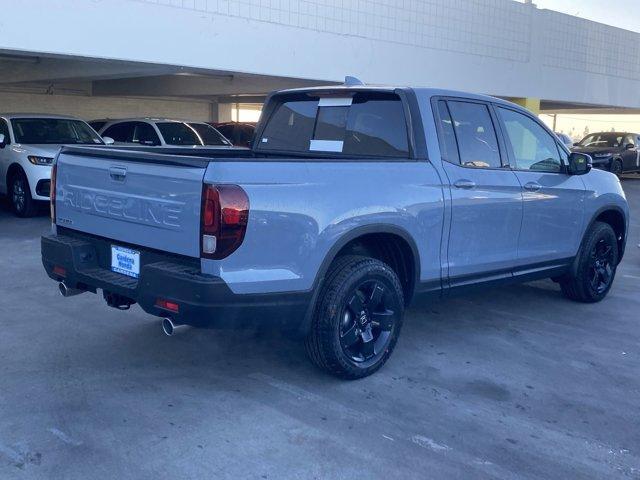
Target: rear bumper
[(83, 261)]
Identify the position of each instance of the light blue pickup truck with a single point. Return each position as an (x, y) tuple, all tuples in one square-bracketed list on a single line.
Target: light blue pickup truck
[(352, 202)]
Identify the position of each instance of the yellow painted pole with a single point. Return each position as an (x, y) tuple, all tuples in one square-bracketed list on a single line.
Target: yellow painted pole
[(532, 104)]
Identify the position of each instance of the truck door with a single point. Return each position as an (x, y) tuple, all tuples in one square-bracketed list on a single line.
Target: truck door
[(553, 200), (486, 197)]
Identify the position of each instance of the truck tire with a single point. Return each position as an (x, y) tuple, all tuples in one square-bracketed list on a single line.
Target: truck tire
[(20, 195), (597, 264), (357, 317)]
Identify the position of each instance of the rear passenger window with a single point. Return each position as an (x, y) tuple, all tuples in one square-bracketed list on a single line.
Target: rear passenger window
[(533, 148), (365, 124), (120, 132), (447, 137), (476, 135)]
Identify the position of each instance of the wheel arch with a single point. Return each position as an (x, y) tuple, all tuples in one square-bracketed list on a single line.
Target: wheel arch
[(615, 217), (618, 159), (11, 171), (402, 249)]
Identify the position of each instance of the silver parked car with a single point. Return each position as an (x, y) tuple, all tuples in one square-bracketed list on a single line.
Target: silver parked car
[(28, 144), (157, 132)]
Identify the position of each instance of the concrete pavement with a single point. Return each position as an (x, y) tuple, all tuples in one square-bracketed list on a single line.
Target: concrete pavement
[(513, 382)]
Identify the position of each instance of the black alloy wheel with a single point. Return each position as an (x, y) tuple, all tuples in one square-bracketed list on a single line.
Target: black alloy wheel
[(367, 322), (357, 317), (601, 266), (18, 194), (592, 276), (22, 203)]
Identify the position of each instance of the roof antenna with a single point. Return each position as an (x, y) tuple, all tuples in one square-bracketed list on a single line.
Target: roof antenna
[(350, 81)]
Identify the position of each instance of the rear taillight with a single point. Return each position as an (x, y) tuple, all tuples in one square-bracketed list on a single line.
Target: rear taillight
[(224, 217), (52, 191)]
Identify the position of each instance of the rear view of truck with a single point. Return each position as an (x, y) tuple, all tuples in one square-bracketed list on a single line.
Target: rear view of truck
[(311, 232), (136, 225)]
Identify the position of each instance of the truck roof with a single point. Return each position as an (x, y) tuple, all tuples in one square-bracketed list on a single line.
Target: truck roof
[(420, 91)]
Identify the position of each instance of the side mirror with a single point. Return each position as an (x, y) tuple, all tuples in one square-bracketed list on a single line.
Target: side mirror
[(3, 140), (108, 140), (629, 146), (579, 163)]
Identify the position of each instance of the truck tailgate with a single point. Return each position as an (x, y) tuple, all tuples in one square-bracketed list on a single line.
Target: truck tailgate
[(147, 199)]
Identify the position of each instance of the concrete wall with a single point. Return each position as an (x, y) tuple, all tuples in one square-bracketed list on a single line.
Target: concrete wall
[(90, 108), (501, 47)]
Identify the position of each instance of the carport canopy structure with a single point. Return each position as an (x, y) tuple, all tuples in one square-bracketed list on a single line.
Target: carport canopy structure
[(96, 88)]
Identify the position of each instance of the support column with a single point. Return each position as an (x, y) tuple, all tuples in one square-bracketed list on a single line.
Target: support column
[(532, 104), (214, 113), (225, 112)]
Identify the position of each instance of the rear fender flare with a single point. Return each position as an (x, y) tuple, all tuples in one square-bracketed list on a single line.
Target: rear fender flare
[(339, 245)]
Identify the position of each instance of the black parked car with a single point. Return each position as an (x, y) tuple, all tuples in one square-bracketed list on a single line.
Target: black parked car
[(240, 134), (616, 152)]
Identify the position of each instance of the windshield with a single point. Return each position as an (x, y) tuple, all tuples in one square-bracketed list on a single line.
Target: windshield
[(53, 131), (611, 140), (178, 133), (209, 135)]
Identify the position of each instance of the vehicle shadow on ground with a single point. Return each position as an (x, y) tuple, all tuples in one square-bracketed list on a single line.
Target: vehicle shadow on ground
[(135, 341)]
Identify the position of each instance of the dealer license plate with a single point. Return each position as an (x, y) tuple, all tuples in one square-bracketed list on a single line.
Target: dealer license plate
[(125, 261)]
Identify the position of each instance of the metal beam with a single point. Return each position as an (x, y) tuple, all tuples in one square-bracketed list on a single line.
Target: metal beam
[(24, 69), (196, 85)]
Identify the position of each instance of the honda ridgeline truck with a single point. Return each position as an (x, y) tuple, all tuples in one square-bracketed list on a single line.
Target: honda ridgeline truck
[(352, 202)]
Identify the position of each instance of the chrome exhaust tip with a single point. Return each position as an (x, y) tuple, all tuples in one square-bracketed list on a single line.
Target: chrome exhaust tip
[(169, 326), (66, 291)]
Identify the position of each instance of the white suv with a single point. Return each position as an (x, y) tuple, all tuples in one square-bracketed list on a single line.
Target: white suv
[(28, 145), (156, 132)]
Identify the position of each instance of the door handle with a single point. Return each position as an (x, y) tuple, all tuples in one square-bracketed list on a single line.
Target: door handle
[(533, 186), (466, 184), (118, 173)]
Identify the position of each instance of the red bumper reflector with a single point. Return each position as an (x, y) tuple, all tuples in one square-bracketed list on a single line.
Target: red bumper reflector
[(167, 305), (58, 270)]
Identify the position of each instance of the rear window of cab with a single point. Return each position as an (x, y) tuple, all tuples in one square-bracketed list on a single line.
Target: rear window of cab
[(364, 124)]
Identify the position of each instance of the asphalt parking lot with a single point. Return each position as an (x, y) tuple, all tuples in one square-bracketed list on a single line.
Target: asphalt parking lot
[(514, 382)]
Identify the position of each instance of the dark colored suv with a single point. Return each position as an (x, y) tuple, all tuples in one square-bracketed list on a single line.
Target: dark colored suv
[(616, 152), (240, 134)]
